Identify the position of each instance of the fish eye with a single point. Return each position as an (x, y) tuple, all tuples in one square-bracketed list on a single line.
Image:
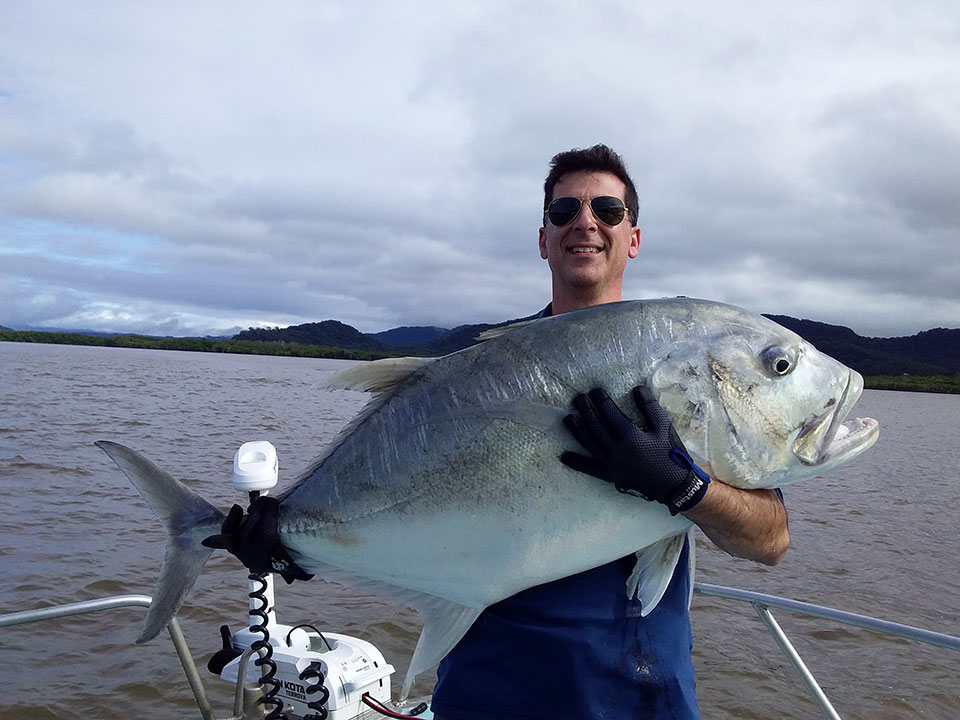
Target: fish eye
[(778, 360)]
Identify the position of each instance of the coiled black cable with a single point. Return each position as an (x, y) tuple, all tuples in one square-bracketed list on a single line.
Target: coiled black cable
[(265, 660), (314, 672)]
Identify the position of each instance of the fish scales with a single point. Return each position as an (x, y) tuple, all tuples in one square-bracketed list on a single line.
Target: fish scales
[(447, 492)]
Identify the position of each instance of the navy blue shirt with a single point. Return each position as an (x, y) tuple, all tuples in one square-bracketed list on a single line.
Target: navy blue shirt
[(575, 649)]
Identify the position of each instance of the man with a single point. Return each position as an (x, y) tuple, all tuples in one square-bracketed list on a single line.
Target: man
[(578, 647)]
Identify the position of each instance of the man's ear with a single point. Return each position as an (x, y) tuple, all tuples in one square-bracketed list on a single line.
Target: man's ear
[(634, 243)]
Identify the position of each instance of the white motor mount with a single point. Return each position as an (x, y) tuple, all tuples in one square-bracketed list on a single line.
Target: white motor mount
[(351, 667)]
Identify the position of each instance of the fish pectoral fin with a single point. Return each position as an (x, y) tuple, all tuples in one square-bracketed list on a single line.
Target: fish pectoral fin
[(444, 623), (522, 412), (692, 561), (378, 377), (527, 413), (652, 572)]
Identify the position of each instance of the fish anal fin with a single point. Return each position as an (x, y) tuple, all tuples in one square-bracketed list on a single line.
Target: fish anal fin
[(444, 623)]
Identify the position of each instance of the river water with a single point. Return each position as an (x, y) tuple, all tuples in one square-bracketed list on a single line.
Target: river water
[(877, 537)]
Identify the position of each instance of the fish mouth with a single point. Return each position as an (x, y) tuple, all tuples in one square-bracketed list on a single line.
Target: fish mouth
[(829, 437)]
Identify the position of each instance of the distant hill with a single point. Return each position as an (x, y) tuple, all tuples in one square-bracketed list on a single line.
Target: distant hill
[(91, 333), (330, 333), (426, 341), (107, 334), (933, 352), (456, 339), (410, 336)]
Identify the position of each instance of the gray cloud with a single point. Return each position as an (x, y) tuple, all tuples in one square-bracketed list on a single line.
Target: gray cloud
[(192, 169)]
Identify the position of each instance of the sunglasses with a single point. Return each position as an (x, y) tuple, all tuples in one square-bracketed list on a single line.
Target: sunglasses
[(607, 209)]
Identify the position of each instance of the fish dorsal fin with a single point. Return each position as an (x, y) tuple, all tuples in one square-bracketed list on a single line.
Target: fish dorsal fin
[(380, 376), (498, 331), (444, 623), (653, 570)]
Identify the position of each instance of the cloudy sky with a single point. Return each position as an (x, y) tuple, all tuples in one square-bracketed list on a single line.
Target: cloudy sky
[(190, 168)]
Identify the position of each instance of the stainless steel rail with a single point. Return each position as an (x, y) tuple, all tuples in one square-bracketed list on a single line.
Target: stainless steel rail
[(762, 603), (122, 601)]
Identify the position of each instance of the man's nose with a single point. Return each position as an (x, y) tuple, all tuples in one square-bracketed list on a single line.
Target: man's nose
[(586, 220)]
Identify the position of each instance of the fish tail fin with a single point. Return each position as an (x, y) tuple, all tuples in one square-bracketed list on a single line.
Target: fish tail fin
[(188, 519)]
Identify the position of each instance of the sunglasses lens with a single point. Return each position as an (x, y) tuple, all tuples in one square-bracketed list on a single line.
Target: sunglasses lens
[(608, 210), (563, 210)]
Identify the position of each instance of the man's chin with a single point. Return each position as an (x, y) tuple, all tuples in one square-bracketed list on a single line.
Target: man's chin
[(584, 278)]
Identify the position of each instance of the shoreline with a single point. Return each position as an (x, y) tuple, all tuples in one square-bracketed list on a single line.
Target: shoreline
[(909, 383)]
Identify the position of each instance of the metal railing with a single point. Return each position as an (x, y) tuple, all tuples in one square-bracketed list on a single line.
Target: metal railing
[(122, 601), (760, 602)]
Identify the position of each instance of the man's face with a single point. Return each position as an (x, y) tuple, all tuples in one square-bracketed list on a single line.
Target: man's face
[(587, 255)]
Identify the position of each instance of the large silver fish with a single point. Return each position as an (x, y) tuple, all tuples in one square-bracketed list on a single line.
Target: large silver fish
[(446, 492)]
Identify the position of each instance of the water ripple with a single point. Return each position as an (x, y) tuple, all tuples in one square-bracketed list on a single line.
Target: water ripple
[(876, 538)]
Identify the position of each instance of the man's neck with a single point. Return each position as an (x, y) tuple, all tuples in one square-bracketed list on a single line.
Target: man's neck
[(566, 302)]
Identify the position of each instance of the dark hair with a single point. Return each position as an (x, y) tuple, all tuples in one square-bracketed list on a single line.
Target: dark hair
[(598, 158)]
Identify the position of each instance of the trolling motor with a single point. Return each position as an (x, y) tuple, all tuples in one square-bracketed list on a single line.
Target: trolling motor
[(304, 673)]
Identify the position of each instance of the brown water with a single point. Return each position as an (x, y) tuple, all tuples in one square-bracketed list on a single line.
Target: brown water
[(878, 537)]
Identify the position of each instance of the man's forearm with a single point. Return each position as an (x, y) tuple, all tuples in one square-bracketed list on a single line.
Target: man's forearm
[(750, 524), (649, 459)]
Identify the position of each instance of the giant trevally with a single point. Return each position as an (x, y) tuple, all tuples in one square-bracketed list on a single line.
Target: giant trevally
[(446, 492)]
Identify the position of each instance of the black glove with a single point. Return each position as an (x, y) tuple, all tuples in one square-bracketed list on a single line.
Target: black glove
[(647, 460), (255, 540)]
